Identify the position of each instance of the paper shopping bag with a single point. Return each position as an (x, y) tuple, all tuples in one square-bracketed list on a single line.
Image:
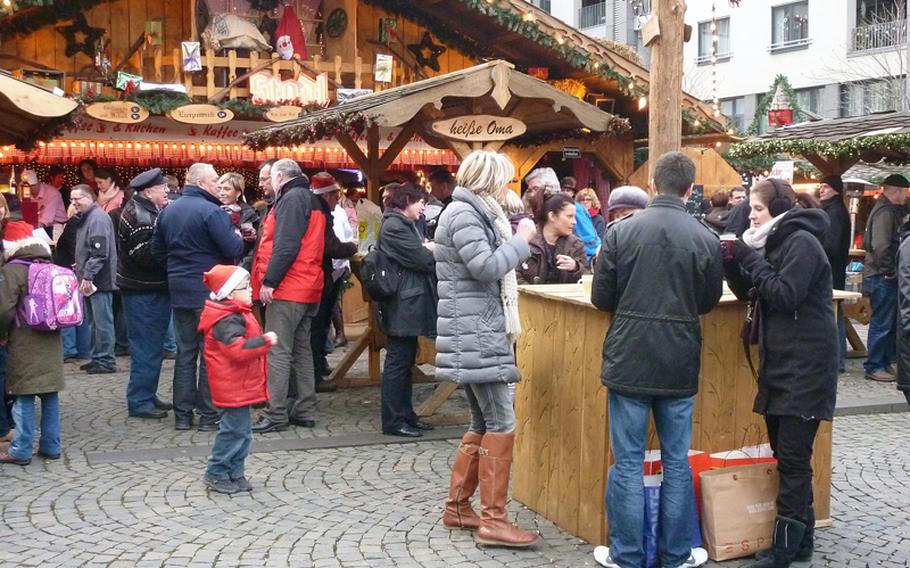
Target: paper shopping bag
[(738, 509)]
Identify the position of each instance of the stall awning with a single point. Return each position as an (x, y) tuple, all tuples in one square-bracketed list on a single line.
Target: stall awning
[(833, 145), (29, 113), (494, 87)]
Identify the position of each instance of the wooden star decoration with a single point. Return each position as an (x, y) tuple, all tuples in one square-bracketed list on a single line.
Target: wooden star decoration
[(81, 37), (432, 51)]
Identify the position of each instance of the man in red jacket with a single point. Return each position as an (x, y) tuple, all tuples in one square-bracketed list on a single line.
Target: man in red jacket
[(287, 278)]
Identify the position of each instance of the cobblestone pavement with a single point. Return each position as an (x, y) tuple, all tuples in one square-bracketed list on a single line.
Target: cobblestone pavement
[(128, 493)]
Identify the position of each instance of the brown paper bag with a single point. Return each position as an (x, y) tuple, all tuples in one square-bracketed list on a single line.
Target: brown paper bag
[(738, 509)]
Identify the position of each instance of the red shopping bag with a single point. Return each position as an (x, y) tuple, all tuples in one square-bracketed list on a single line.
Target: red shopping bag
[(746, 455), (699, 461)]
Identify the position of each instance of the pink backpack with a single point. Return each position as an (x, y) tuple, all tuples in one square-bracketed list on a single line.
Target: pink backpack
[(53, 300)]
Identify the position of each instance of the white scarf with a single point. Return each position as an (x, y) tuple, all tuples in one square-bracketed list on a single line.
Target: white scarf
[(508, 286), (758, 237)]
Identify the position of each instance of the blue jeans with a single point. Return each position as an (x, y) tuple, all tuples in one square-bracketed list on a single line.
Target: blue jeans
[(77, 341), (6, 417), (189, 393), (147, 315), (491, 407), (100, 309), (232, 444), (881, 342), (24, 416), (170, 340), (625, 483)]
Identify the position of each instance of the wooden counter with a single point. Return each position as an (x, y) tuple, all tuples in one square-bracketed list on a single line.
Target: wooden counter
[(562, 447)]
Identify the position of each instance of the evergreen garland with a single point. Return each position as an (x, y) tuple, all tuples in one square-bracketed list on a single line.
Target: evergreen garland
[(353, 124), (849, 148), (765, 104), (618, 126)]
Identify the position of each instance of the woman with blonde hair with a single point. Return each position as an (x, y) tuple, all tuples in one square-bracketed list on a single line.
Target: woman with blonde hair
[(243, 217), (476, 256), (588, 198)]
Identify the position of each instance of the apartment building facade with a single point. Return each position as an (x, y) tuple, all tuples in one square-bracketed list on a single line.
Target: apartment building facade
[(842, 57)]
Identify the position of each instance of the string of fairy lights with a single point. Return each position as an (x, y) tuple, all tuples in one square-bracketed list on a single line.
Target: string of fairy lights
[(715, 41)]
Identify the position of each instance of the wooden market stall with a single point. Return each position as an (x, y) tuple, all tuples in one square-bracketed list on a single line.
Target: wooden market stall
[(834, 145), (491, 106), (562, 446), (29, 113)]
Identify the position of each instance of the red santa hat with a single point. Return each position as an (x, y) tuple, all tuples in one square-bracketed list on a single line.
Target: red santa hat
[(322, 183), (223, 279), (289, 38), (17, 230)]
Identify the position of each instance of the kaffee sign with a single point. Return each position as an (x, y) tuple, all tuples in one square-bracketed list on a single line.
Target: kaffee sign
[(480, 128)]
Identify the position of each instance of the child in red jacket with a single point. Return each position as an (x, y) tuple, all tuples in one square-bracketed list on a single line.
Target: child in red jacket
[(235, 356)]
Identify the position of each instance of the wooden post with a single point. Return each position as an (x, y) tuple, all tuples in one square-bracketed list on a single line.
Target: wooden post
[(664, 106)]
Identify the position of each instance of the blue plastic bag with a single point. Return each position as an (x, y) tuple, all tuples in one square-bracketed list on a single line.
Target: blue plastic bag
[(652, 521)]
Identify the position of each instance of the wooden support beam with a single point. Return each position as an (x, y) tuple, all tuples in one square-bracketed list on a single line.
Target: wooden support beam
[(441, 394), (372, 171), (353, 150), (397, 145), (664, 117)]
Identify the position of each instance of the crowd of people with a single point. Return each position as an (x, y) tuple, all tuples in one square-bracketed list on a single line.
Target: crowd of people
[(215, 271)]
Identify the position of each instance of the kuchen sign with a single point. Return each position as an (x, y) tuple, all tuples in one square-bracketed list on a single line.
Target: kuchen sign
[(480, 128)]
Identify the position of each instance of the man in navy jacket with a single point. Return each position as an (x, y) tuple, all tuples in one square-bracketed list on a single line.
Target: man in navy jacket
[(192, 235)]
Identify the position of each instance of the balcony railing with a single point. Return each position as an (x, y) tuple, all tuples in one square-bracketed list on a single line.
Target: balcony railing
[(879, 36), (592, 16)]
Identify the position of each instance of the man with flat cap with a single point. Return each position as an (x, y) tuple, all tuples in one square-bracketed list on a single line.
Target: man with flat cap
[(881, 242), (143, 286)]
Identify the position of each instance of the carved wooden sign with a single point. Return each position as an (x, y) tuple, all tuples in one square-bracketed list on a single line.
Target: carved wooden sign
[(283, 113), (480, 128), (124, 112), (201, 114)]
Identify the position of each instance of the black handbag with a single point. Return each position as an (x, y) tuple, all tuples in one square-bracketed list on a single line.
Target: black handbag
[(379, 274), (751, 329)]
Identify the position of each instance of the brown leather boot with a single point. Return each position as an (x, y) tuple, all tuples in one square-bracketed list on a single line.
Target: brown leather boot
[(458, 512), (495, 465)]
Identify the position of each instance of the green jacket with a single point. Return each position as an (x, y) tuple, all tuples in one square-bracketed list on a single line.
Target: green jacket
[(35, 361)]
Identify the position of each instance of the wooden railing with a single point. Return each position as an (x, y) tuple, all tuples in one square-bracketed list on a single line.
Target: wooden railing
[(221, 71)]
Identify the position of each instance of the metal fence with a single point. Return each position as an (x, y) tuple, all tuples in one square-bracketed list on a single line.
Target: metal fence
[(591, 16), (879, 36)]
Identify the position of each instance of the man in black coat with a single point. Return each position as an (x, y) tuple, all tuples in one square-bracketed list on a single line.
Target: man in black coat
[(657, 272), (837, 247), (143, 287)]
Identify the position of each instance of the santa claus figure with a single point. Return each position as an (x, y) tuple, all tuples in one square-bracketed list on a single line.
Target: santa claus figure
[(289, 34)]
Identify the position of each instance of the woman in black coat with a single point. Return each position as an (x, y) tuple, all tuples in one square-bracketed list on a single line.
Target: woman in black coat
[(411, 313), (781, 263)]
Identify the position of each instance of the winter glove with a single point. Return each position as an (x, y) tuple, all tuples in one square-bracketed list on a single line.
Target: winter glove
[(741, 250)]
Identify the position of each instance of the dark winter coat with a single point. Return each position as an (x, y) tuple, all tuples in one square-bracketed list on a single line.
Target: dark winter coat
[(247, 215), (600, 224), (412, 312), (657, 272), (96, 248), (881, 238), (837, 239), (797, 374), (137, 269), (192, 235), (35, 360), (738, 219), (65, 250), (471, 259), (903, 312), (717, 218), (540, 267)]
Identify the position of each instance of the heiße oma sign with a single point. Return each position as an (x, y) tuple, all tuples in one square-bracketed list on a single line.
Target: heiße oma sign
[(480, 128)]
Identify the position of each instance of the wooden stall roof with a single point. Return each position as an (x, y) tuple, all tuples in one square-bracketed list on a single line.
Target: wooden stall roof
[(490, 87), (25, 109), (833, 145), (481, 28)]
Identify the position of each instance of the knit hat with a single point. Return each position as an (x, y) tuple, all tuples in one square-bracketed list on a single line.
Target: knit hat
[(30, 177), (896, 180), (223, 279), (835, 183), (322, 183), (627, 197)]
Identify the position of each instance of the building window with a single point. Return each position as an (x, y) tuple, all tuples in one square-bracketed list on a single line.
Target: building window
[(591, 14), (880, 24), (790, 26), (810, 100), (865, 97), (735, 111), (723, 40), (542, 4)]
